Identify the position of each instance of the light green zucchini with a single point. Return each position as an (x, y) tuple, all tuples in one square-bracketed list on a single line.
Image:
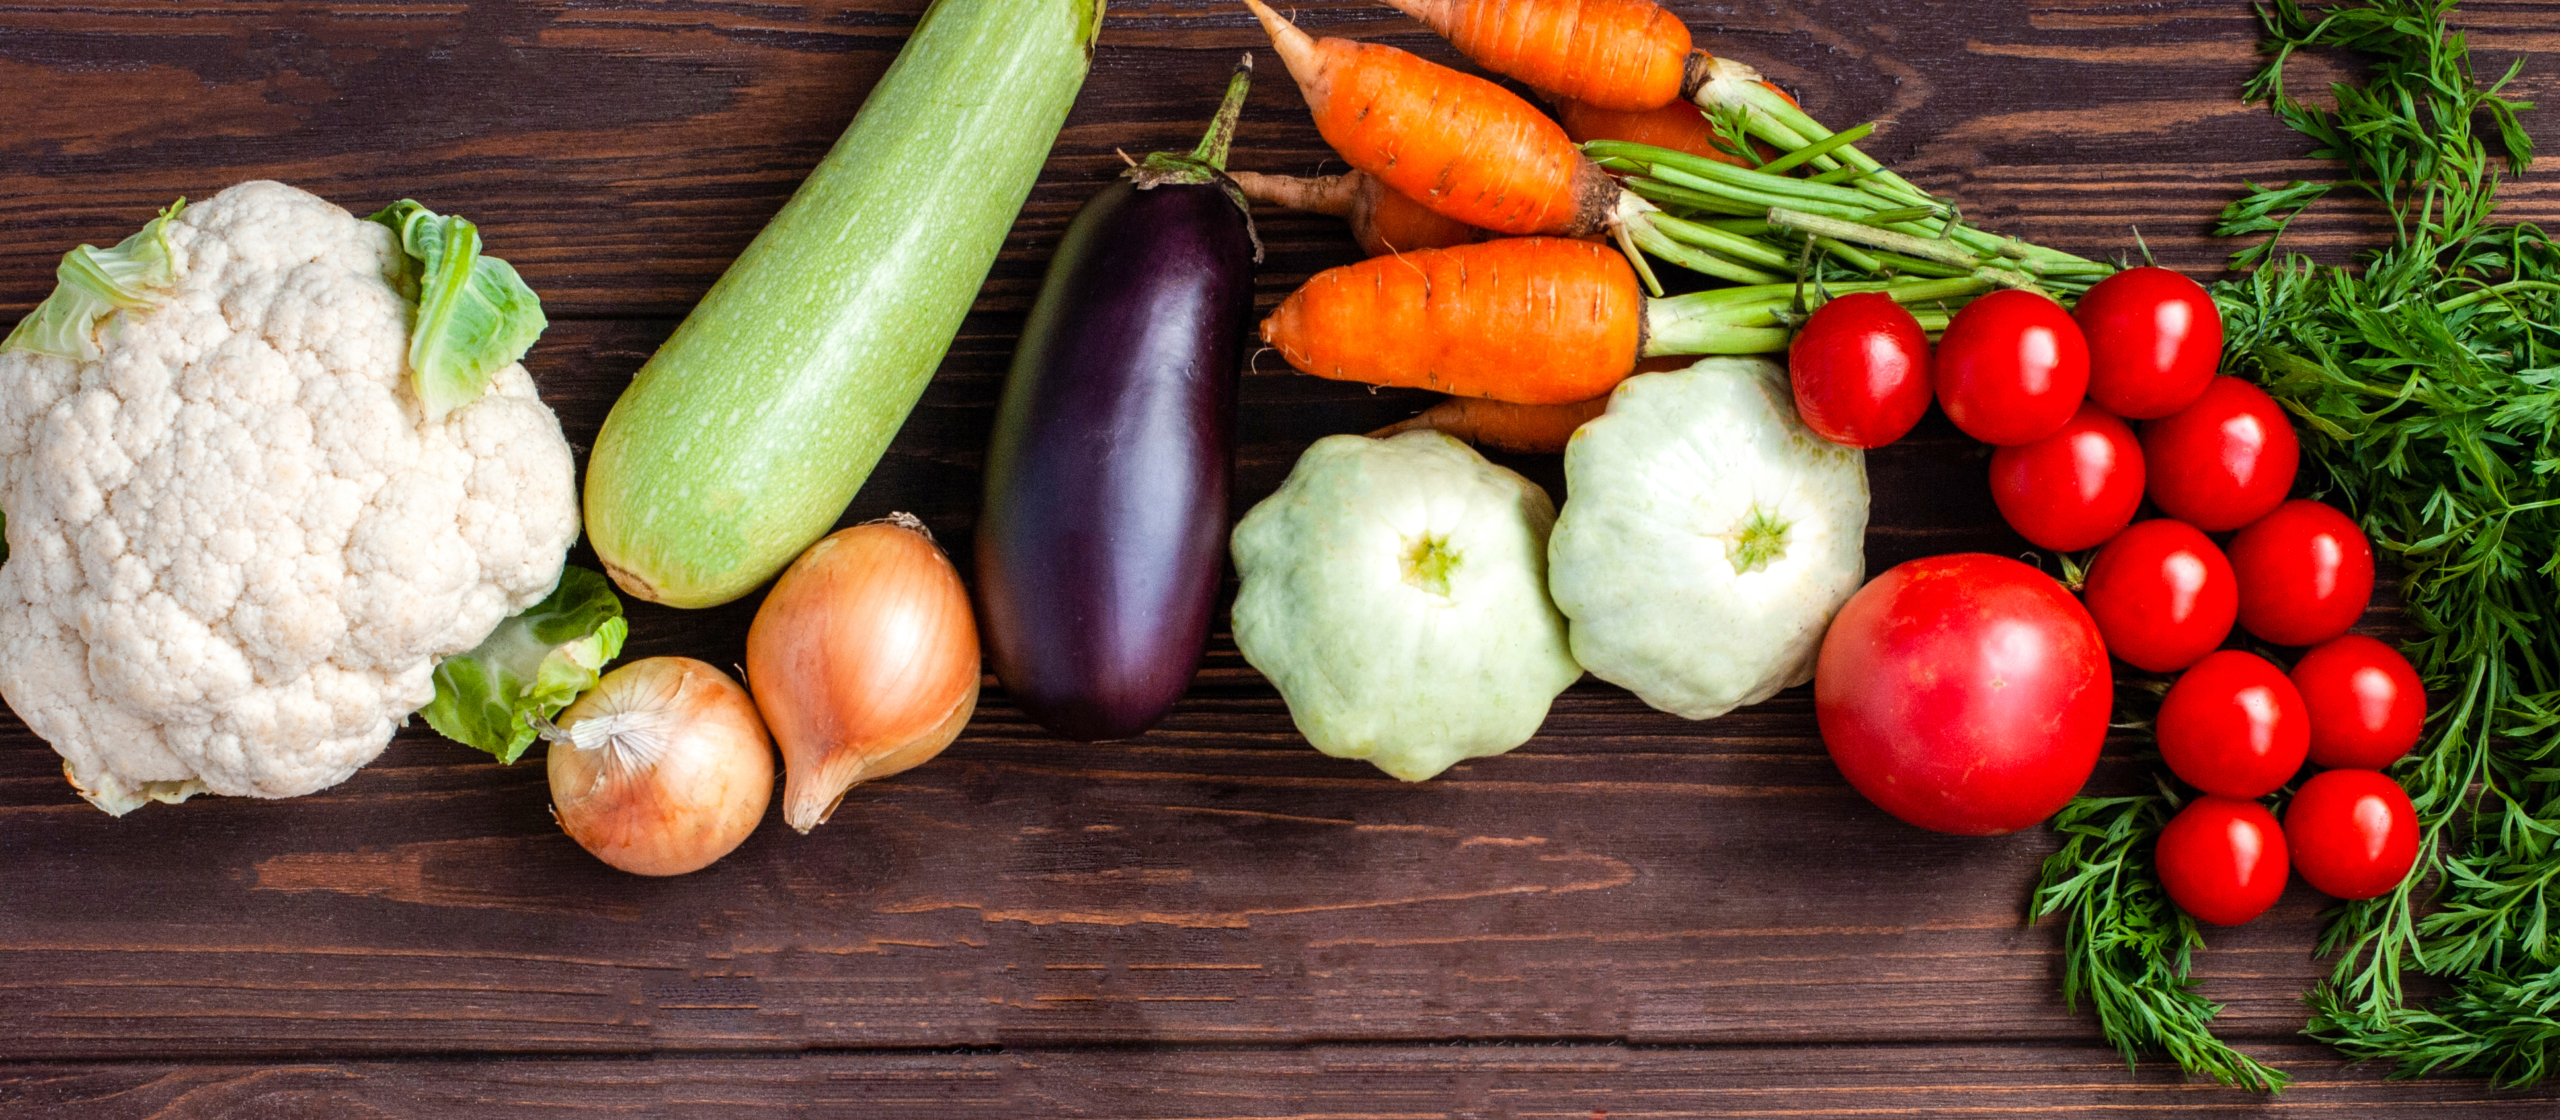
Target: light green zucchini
[(743, 439)]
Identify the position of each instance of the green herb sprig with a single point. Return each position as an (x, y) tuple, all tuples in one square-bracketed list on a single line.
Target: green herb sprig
[(2426, 383)]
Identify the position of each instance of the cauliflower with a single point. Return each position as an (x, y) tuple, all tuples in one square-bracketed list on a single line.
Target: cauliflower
[(240, 544)]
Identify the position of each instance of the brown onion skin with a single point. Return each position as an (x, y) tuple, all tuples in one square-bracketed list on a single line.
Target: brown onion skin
[(714, 787), (847, 699)]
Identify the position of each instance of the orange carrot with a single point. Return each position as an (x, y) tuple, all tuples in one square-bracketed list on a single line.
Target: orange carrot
[(1680, 126), (1533, 320), (1624, 55), (1463, 146), (1527, 429), (1382, 221)]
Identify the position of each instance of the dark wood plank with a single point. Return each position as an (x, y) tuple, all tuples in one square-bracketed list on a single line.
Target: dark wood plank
[(1538, 1082)]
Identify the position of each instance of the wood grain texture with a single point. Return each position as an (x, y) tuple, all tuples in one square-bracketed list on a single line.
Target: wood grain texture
[(1625, 878), (1534, 1082)]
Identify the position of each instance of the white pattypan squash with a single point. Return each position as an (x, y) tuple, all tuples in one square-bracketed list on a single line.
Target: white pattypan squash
[(1396, 592), (1707, 537)]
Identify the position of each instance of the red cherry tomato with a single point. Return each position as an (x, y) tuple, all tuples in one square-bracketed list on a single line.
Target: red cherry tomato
[(2011, 368), (2222, 859), (2155, 338), (1965, 693), (2353, 833), (1861, 370), (2224, 461), (2075, 488), (2306, 574), (2234, 726), (2162, 594), (2367, 705)]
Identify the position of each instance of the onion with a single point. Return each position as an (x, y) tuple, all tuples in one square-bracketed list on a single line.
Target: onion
[(662, 769), (865, 661)]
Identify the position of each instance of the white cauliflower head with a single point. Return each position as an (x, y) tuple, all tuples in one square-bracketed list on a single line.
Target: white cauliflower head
[(238, 546)]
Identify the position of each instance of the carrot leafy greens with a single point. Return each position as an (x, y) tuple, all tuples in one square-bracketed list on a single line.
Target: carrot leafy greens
[(2426, 383)]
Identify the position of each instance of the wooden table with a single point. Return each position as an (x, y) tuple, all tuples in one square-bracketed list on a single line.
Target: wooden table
[(1630, 915)]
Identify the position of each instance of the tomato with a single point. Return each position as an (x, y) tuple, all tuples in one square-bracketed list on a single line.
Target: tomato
[(2224, 461), (2162, 594), (2353, 833), (2306, 574), (2222, 859), (2011, 368), (1861, 370), (2155, 338), (1965, 693), (2367, 705), (2234, 726), (2075, 488)]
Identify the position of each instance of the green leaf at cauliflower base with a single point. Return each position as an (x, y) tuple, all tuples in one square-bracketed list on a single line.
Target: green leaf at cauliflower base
[(531, 666), (475, 314)]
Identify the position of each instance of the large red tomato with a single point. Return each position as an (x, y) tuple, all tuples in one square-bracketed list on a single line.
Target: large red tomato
[(2011, 368), (2154, 340), (2224, 461), (1965, 693), (1860, 367), (2222, 859)]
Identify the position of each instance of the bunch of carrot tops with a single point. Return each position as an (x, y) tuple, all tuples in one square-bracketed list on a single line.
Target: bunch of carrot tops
[(2426, 380), (1497, 283)]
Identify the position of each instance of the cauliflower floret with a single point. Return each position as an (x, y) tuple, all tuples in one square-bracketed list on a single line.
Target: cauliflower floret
[(239, 545)]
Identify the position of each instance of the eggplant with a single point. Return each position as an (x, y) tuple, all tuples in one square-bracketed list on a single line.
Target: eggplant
[(1103, 538)]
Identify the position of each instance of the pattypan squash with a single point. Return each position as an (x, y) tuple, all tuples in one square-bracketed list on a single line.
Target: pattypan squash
[(1707, 539), (1395, 590)]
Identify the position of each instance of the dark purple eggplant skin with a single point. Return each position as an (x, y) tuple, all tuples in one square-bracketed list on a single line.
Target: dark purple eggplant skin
[(1103, 539)]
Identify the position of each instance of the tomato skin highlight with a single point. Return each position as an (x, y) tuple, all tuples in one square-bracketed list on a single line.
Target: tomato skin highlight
[(2222, 859), (1860, 367), (2011, 368), (2367, 705), (2075, 488), (2234, 726), (1965, 693), (2155, 340), (2224, 461), (2306, 573), (2163, 595), (2353, 833)]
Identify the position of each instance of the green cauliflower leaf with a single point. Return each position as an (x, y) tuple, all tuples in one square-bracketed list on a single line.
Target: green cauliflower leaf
[(531, 667), (475, 314)]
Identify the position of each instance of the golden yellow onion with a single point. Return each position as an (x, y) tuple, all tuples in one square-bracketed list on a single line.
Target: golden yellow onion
[(662, 769), (864, 660)]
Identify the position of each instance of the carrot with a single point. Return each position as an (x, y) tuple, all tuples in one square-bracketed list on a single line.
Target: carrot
[(1382, 221), (1623, 55), (1528, 429), (1533, 320), (1680, 126), (1458, 144)]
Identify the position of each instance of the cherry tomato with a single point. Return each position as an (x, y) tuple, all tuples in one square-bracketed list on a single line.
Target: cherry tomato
[(1861, 370), (2075, 488), (2011, 368), (1965, 693), (2234, 726), (2224, 461), (2367, 705), (2306, 574), (2155, 338), (2353, 833), (2222, 859), (2162, 594)]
